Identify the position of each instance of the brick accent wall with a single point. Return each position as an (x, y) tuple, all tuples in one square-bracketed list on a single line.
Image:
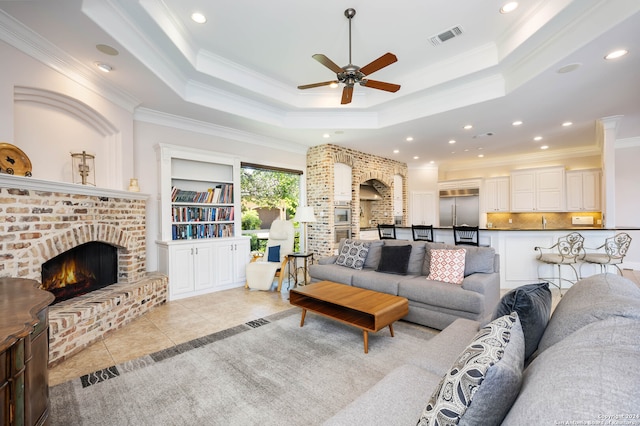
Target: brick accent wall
[(40, 220), (364, 167)]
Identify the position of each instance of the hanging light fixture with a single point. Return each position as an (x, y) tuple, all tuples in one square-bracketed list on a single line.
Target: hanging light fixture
[(83, 168)]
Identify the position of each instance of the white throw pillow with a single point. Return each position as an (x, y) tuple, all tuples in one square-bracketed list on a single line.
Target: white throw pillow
[(447, 266)]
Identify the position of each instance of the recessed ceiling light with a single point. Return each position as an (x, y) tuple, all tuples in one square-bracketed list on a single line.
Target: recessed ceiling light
[(416, 157), (107, 50), (409, 138), (468, 126), (395, 151), (452, 141), (537, 138), (104, 67), (567, 124), (326, 135), (480, 155), (516, 123), (431, 162), (509, 7), (568, 68), (616, 54), (198, 18), (544, 147)]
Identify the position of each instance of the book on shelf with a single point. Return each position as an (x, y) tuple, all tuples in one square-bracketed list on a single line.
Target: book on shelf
[(201, 231), (220, 194)]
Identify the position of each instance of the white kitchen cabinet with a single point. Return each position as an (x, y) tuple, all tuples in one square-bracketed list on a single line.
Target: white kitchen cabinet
[(496, 194), (540, 190), (398, 199), (342, 182), (423, 208), (583, 190)]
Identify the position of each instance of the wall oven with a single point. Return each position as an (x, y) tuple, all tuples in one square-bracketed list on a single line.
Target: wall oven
[(340, 232), (342, 215)]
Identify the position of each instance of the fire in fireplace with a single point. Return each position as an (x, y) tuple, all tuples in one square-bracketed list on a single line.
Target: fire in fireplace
[(82, 269)]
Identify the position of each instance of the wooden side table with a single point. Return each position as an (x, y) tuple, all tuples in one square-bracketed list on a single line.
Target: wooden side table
[(292, 258)]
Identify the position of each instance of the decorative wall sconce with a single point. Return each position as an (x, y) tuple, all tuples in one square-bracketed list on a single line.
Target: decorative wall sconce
[(133, 185), (84, 168)]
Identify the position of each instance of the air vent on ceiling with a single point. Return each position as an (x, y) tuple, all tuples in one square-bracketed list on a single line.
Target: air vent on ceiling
[(437, 40)]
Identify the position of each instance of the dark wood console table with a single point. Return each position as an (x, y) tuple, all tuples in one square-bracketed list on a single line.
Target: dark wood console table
[(24, 352)]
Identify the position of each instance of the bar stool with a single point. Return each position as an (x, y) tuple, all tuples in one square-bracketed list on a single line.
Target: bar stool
[(615, 249), (422, 232), (387, 232), (564, 252), (468, 235)]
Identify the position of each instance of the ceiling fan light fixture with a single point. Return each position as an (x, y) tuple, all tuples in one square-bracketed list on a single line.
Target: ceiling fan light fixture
[(351, 74)]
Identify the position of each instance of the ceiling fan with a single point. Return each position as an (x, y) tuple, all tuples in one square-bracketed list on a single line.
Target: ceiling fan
[(351, 74)]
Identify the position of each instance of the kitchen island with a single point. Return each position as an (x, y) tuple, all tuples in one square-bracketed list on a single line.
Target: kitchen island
[(518, 264)]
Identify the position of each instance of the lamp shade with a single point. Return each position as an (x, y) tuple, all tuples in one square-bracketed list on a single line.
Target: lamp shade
[(304, 215)]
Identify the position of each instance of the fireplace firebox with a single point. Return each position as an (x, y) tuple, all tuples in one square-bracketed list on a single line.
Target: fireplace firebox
[(80, 270)]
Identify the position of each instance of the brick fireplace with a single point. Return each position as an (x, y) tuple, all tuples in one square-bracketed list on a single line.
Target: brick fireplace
[(40, 220)]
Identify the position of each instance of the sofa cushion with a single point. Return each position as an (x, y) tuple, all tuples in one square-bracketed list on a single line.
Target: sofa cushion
[(394, 259), (589, 377), (353, 254), (589, 300), (485, 379), (373, 257), (447, 266), (441, 295), (477, 259), (532, 302), (333, 272), (397, 399), (377, 281)]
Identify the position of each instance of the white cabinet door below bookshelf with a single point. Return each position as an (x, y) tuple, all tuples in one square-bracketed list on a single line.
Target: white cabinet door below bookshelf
[(180, 270)]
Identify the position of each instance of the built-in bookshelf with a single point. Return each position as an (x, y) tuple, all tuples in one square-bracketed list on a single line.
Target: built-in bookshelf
[(200, 244), (199, 192)]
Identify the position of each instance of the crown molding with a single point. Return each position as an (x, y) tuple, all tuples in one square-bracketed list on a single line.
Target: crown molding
[(182, 123), (32, 44)]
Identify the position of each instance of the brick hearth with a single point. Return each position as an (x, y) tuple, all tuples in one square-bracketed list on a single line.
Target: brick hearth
[(40, 220)]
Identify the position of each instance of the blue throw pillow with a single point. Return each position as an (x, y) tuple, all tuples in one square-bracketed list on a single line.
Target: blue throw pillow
[(274, 254), (532, 302)]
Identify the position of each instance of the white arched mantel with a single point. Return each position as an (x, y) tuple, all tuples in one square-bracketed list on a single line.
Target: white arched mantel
[(66, 124)]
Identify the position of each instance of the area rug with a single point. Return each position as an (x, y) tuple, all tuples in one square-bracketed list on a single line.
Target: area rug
[(266, 372)]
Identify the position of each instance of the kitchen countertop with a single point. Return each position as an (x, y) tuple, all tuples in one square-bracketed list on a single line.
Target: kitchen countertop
[(573, 228)]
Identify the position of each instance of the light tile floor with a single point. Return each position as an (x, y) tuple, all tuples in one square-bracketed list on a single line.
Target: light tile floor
[(174, 323), (170, 324)]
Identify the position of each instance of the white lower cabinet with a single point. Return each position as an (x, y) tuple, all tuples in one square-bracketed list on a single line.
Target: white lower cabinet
[(199, 267)]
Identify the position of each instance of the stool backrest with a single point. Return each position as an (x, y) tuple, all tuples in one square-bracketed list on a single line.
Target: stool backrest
[(422, 232), (387, 232), (571, 245), (466, 235), (618, 245)]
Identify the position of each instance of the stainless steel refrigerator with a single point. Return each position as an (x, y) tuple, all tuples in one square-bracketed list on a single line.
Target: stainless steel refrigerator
[(459, 207)]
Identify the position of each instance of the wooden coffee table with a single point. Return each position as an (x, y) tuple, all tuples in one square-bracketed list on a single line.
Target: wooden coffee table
[(366, 309)]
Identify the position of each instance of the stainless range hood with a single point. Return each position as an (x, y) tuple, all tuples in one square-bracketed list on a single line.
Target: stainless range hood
[(369, 193)]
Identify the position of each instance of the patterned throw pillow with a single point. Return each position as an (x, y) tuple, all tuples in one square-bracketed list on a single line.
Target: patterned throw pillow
[(485, 379), (353, 254), (447, 266)]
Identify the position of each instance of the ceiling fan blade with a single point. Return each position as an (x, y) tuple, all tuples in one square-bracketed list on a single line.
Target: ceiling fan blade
[(380, 85), (327, 63), (381, 62), (324, 83), (347, 94)]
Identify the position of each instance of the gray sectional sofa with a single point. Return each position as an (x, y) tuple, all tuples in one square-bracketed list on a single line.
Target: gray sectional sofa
[(434, 304), (585, 370)]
